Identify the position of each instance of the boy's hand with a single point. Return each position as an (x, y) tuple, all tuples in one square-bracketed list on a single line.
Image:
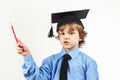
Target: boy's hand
[(22, 49)]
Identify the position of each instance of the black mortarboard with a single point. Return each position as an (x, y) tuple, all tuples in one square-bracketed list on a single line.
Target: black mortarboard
[(67, 17)]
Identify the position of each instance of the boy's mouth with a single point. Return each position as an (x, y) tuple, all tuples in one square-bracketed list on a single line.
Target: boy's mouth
[(66, 42)]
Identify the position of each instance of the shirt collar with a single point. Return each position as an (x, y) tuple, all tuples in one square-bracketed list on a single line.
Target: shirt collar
[(73, 53)]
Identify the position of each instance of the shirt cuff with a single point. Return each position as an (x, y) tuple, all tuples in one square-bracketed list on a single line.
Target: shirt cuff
[(28, 60)]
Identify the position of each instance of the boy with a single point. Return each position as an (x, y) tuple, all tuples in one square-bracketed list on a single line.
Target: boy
[(70, 63)]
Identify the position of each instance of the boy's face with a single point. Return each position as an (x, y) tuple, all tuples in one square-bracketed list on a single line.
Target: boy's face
[(69, 38)]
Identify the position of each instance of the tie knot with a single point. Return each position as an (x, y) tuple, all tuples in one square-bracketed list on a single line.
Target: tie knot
[(66, 57)]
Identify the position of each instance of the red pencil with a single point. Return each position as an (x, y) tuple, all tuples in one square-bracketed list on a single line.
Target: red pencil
[(14, 34)]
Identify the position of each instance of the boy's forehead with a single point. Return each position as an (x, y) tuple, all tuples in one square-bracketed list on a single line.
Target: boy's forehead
[(67, 27)]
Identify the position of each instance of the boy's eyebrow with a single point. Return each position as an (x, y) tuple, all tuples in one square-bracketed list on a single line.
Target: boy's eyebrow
[(71, 31)]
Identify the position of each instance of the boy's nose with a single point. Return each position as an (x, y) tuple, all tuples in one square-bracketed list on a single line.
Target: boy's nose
[(66, 36)]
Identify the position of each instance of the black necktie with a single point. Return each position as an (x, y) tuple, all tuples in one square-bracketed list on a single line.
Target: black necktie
[(64, 67)]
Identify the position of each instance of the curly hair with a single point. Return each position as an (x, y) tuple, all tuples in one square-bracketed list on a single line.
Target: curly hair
[(78, 27)]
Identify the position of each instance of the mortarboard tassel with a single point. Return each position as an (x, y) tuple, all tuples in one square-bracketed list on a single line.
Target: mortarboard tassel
[(50, 34)]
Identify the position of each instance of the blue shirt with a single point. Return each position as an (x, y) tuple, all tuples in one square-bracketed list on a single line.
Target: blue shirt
[(81, 67)]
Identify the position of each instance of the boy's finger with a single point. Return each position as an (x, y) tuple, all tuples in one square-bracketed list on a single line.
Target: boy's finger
[(20, 46)]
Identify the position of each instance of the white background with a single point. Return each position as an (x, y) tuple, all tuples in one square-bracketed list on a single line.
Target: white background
[(32, 20)]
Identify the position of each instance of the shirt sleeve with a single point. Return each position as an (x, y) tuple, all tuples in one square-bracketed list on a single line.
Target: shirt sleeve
[(92, 71), (32, 72)]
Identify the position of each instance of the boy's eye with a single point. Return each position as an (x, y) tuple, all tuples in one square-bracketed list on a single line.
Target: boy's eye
[(71, 33), (62, 33)]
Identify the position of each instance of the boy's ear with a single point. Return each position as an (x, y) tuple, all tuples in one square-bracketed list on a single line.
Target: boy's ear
[(80, 39), (57, 37)]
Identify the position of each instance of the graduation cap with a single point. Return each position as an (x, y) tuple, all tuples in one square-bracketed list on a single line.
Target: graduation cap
[(63, 18)]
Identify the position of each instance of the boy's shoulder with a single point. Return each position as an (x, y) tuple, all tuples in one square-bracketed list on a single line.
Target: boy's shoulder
[(85, 57)]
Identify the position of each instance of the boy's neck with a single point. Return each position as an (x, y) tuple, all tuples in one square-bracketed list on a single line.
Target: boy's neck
[(69, 50)]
